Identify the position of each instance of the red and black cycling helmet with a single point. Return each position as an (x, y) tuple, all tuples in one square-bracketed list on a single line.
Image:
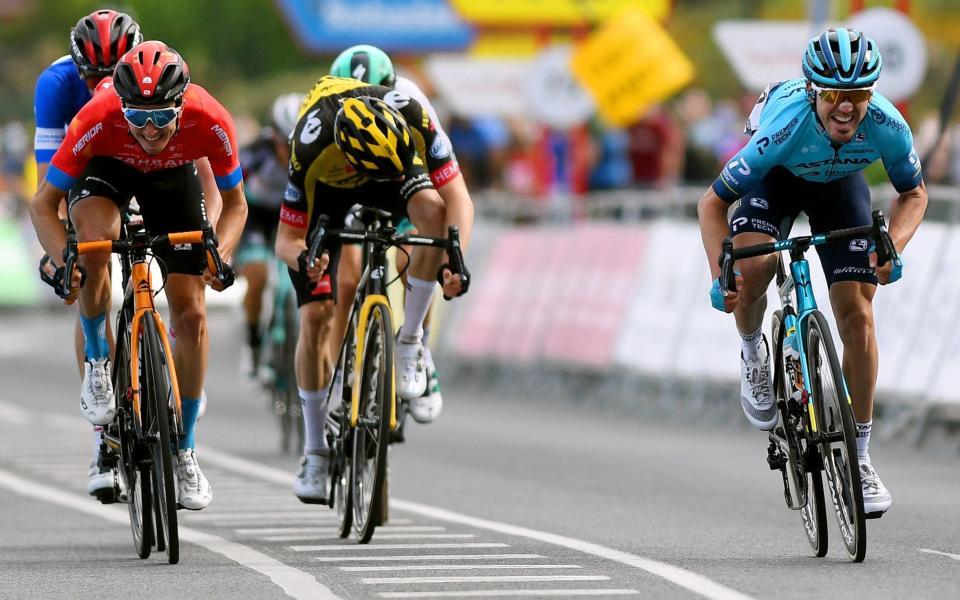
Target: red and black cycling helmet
[(99, 40), (151, 73)]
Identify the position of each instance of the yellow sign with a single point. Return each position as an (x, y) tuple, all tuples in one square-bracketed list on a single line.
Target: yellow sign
[(551, 12), (629, 64)]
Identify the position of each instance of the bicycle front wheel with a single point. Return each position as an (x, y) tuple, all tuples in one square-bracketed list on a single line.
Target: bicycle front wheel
[(161, 433), (135, 474), (838, 446), (802, 482), (371, 437)]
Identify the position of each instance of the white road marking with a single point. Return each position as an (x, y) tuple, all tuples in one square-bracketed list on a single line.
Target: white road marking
[(262, 515), (295, 583), (929, 551), (689, 580), (506, 593), (376, 546), (473, 567), (480, 579), (316, 530), (424, 536), (406, 557)]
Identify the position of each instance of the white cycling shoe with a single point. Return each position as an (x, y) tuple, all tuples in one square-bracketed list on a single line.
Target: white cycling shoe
[(876, 496), (756, 393), (310, 486), (96, 393), (193, 489), (411, 370), (426, 407)]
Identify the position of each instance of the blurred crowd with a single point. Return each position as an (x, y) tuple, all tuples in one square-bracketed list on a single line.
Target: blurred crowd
[(683, 142)]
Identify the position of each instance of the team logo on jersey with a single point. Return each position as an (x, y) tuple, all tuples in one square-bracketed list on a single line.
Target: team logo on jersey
[(858, 245), (291, 193), (861, 136), (396, 99), (738, 223), (311, 130), (740, 165), (439, 148), (760, 203)]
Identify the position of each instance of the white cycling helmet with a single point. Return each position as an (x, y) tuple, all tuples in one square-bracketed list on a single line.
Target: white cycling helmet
[(284, 113)]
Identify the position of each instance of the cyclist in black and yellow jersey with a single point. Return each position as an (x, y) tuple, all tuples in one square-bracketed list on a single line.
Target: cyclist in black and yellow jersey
[(357, 143)]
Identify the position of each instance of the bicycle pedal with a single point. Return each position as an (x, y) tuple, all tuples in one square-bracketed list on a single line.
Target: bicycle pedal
[(873, 515), (106, 496)]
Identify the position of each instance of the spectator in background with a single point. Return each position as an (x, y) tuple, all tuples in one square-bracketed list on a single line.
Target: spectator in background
[(693, 112), (656, 147), (612, 169)]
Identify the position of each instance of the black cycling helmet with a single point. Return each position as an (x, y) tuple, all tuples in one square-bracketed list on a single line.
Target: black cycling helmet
[(99, 40), (375, 138), (151, 73)]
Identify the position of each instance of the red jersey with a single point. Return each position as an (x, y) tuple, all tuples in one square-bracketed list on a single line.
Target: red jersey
[(99, 129)]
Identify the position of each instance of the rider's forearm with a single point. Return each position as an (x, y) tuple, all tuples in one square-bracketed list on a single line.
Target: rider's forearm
[(906, 214), (46, 221), (230, 224), (712, 214), (290, 243), (459, 208)]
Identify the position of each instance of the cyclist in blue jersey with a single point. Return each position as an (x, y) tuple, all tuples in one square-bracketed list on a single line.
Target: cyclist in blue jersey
[(96, 44), (264, 163), (812, 138)]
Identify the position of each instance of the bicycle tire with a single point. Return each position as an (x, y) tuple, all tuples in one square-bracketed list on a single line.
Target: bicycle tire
[(339, 441), (135, 474), (802, 464), (371, 436), (834, 417), (154, 392)]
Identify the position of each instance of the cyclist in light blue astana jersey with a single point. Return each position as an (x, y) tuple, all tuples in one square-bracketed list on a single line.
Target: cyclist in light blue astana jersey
[(812, 138)]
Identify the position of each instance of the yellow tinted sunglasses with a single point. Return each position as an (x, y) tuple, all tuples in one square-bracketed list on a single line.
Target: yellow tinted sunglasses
[(835, 96)]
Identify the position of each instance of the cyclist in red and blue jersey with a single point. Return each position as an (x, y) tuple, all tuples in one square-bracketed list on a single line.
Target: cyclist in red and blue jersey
[(812, 138), (140, 137), (97, 42)]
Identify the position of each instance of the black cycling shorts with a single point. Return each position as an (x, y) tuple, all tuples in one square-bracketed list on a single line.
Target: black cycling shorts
[(170, 200), (774, 204), (336, 203)]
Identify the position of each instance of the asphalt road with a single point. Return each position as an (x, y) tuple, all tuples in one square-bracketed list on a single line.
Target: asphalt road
[(505, 495)]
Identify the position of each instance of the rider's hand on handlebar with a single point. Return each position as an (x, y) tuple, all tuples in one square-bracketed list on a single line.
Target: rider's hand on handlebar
[(451, 283), (890, 272), (723, 299), (210, 279), (315, 271)]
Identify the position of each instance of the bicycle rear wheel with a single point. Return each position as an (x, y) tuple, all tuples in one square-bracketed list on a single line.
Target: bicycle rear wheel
[(340, 441), (161, 431), (802, 482), (371, 436), (135, 474), (837, 440)]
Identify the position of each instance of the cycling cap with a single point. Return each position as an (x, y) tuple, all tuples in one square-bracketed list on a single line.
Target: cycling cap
[(366, 63), (374, 137), (99, 40), (284, 113), (151, 73), (842, 58)]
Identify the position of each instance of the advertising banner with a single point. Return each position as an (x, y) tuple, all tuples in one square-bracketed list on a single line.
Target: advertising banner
[(329, 26)]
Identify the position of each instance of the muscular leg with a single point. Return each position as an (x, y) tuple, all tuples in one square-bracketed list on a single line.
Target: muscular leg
[(757, 273), (95, 218), (188, 313), (314, 369), (852, 303)]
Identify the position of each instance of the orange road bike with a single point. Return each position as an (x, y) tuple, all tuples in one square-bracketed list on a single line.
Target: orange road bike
[(142, 440)]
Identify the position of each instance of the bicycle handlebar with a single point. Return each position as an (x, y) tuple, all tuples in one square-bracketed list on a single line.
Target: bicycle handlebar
[(886, 252), (451, 244), (205, 236)]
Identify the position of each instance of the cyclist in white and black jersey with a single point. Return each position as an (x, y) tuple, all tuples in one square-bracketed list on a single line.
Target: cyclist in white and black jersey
[(264, 163)]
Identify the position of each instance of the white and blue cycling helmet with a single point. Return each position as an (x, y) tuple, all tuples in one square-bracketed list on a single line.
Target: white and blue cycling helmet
[(842, 58)]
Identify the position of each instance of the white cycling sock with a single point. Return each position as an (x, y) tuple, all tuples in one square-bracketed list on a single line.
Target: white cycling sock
[(751, 344), (863, 440), (97, 440), (315, 408), (419, 294)]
